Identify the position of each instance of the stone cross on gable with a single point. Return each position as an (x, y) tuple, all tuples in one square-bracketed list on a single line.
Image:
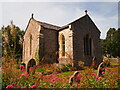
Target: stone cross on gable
[(32, 15), (11, 22)]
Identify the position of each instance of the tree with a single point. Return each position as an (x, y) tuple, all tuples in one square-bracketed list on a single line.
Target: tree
[(111, 45), (116, 44), (0, 43), (12, 38)]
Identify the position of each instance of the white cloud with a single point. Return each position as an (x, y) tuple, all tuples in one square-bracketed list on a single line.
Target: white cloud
[(59, 14), (104, 23)]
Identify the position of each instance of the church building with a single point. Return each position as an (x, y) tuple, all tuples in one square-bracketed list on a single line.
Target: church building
[(70, 44)]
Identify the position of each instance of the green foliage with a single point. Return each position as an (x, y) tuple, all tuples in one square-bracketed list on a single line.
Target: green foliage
[(88, 79), (111, 45), (12, 38)]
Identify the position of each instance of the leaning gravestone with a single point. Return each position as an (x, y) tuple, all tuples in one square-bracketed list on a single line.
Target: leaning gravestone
[(74, 78), (102, 66), (101, 69), (93, 65)]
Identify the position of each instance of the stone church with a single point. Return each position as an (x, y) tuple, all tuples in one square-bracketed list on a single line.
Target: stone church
[(69, 44)]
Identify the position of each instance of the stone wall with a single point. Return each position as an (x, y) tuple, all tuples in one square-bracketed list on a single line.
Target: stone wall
[(68, 58), (50, 38), (41, 37), (50, 41), (33, 29), (80, 29)]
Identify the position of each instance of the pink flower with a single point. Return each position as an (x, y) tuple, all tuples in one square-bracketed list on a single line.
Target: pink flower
[(26, 72), (9, 86), (99, 78), (106, 69), (68, 77), (103, 72), (13, 84), (111, 72), (24, 87), (53, 79), (33, 86), (54, 73), (42, 79), (79, 75), (106, 81), (34, 66), (78, 85), (117, 78), (23, 75), (94, 74), (66, 81), (22, 66), (57, 78), (41, 75), (64, 85), (23, 69), (96, 77)]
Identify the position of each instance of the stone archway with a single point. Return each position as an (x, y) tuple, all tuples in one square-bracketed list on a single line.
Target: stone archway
[(30, 64)]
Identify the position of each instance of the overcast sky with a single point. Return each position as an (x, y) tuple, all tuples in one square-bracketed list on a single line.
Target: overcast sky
[(104, 14)]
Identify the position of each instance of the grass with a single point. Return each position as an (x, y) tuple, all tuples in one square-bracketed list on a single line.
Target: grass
[(114, 63), (13, 77)]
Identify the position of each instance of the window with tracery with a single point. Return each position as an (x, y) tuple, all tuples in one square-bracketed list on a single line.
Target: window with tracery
[(62, 45), (87, 45), (30, 44)]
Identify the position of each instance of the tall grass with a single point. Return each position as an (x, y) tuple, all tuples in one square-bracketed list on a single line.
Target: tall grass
[(14, 77)]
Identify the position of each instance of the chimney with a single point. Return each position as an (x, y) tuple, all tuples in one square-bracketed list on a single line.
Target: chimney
[(85, 12)]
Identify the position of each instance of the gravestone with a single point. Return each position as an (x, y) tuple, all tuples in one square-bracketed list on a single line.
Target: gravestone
[(74, 78), (101, 68)]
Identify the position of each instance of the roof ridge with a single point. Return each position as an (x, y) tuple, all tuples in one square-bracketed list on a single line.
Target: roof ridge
[(73, 21), (47, 25)]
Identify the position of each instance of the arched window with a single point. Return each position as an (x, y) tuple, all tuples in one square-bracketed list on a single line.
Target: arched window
[(63, 45), (30, 44), (87, 45)]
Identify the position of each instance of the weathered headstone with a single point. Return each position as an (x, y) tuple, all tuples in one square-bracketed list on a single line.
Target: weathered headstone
[(101, 69), (74, 78), (93, 65)]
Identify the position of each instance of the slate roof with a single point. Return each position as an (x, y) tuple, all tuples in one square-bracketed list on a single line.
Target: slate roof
[(71, 22), (50, 26)]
